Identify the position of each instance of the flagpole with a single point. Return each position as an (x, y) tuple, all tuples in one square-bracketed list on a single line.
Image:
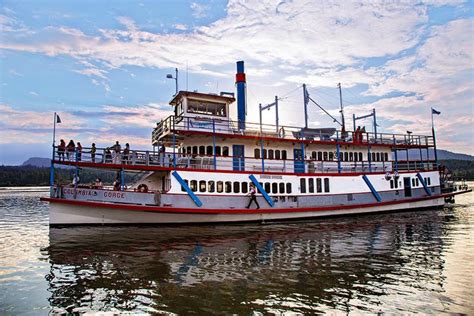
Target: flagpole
[(434, 138), (51, 171)]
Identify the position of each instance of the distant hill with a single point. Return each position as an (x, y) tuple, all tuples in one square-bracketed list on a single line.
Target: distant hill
[(37, 162), (448, 155)]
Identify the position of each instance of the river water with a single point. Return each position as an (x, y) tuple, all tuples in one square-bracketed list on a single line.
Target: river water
[(395, 263)]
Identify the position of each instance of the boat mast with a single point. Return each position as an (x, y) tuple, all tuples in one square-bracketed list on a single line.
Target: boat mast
[(341, 111)]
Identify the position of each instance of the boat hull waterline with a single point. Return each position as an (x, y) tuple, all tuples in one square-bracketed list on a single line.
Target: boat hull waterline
[(66, 212)]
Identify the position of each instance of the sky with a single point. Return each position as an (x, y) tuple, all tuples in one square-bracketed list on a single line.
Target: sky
[(102, 65)]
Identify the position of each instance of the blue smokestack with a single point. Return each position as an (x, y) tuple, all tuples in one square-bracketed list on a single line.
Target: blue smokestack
[(240, 82)]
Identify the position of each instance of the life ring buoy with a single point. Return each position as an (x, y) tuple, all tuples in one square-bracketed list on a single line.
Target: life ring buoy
[(142, 188)]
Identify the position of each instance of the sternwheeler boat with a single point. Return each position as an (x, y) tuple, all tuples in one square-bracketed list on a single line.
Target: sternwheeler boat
[(204, 164)]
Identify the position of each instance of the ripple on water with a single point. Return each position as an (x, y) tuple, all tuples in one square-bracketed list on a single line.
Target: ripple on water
[(396, 263)]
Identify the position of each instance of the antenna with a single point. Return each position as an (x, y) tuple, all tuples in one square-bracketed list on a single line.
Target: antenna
[(186, 75)]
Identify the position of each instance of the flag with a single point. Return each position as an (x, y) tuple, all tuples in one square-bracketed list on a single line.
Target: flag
[(58, 119), (433, 111)]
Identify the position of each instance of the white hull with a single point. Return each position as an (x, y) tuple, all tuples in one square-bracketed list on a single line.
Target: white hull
[(67, 214)]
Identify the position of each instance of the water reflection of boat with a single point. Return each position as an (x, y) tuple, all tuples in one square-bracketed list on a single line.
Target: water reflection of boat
[(241, 268)]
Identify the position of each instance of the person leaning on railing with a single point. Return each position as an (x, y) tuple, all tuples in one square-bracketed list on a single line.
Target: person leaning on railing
[(93, 150), (61, 149)]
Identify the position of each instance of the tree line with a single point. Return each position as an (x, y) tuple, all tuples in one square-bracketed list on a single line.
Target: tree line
[(39, 176)]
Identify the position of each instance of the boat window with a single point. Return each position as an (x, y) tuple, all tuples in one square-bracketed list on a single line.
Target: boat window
[(386, 156), (378, 157), (314, 155), (360, 157), (331, 155), (220, 186), (228, 187), (277, 154), (193, 185), (209, 151), (319, 188), (202, 150), (326, 184), (346, 156), (270, 154), (320, 156), (429, 181), (413, 182), (236, 187), (283, 155), (245, 187), (351, 156), (417, 182), (325, 155), (256, 153), (275, 188), (202, 186), (218, 150), (391, 184), (206, 107), (265, 153), (187, 183), (311, 185), (303, 185), (267, 187), (356, 158), (195, 150), (281, 188), (373, 156), (225, 151), (188, 149), (288, 187), (211, 186)]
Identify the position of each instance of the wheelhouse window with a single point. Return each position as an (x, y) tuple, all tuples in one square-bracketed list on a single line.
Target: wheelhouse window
[(207, 108), (179, 109)]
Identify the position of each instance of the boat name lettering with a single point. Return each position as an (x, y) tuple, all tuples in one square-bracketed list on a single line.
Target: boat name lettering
[(264, 176), (119, 195), (80, 192)]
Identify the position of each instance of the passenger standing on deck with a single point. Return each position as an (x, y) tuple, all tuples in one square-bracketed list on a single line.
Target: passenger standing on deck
[(162, 154), (253, 197), (126, 153), (116, 149), (70, 150), (79, 151), (93, 150), (61, 149)]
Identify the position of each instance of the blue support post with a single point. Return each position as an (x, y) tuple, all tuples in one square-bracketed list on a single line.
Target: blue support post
[(241, 87), (262, 190), (191, 194), (302, 152), (51, 174), (371, 187), (174, 145), (122, 179), (369, 158), (338, 153), (427, 190), (214, 142)]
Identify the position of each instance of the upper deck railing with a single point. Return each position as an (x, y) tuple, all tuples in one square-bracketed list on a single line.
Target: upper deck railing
[(104, 157), (173, 124)]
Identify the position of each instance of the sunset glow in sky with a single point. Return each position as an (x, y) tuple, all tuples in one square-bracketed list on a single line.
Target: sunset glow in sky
[(102, 65)]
